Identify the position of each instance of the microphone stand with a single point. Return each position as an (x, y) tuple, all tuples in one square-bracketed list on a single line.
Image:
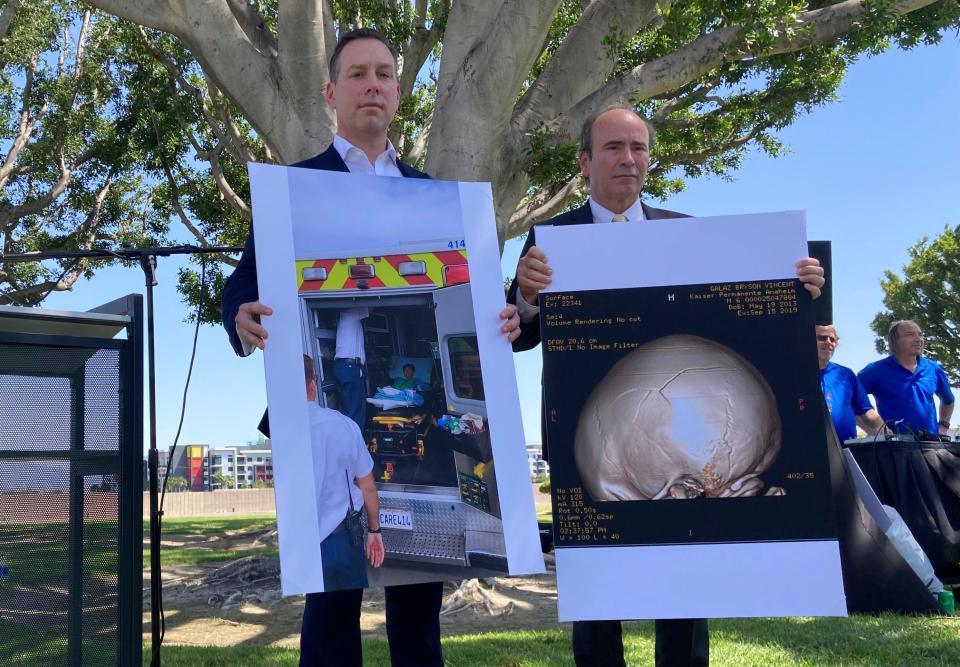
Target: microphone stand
[(147, 258)]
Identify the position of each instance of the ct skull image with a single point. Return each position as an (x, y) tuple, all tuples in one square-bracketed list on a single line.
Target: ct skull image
[(678, 417)]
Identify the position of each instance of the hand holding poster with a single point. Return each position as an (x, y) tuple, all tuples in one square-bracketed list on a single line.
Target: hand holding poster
[(688, 460), (386, 294)]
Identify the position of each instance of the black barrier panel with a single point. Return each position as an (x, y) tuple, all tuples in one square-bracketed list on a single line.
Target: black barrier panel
[(70, 498), (823, 307)]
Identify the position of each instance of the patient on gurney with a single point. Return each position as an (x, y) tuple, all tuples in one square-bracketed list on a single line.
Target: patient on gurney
[(406, 391), (409, 381)]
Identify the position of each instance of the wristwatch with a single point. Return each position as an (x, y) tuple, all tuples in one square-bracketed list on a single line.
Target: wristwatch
[(374, 530), (944, 423)]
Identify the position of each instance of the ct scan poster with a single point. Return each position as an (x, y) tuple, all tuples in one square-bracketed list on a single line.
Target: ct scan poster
[(688, 457), (392, 392)]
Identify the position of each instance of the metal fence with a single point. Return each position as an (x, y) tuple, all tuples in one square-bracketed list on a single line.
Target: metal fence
[(214, 503), (71, 403)]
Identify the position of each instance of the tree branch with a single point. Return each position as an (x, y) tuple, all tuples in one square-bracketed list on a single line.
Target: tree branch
[(419, 46), (175, 196), (725, 45), (689, 96), (545, 204), (230, 137), (236, 143), (81, 43), (226, 191), (89, 227), (302, 37), (253, 26), (17, 296), (489, 48), (700, 157), (9, 215), (583, 62), (251, 79), (24, 128), (87, 233), (420, 143), (165, 15), (7, 15)]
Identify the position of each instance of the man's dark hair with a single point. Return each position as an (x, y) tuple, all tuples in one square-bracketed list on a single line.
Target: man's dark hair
[(893, 333), (359, 33), (587, 129), (410, 366)]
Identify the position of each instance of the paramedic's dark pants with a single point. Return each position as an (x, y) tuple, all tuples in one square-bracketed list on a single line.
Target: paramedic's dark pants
[(679, 643), (330, 635), (351, 389), (344, 565)]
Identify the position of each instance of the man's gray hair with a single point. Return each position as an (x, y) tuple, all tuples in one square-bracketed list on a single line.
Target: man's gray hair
[(893, 333), (587, 129)]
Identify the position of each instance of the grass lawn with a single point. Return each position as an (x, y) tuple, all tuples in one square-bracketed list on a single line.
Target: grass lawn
[(866, 641), (37, 554), (187, 556), (861, 641), (198, 527), (212, 525)]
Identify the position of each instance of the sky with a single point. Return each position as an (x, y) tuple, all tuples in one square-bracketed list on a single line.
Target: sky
[(874, 172)]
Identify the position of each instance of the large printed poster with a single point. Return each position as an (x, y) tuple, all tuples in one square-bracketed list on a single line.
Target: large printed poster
[(688, 457), (386, 294)]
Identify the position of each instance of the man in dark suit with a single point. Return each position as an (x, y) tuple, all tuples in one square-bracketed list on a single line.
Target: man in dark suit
[(364, 93), (614, 155)]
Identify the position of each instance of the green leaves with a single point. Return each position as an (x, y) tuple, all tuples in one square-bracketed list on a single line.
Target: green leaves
[(115, 134), (928, 292), (69, 179)]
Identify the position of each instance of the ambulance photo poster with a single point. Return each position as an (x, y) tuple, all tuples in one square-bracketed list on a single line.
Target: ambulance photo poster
[(688, 458), (384, 350)]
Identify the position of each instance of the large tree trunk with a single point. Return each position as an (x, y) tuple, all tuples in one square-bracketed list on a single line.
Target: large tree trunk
[(479, 130), (277, 81)]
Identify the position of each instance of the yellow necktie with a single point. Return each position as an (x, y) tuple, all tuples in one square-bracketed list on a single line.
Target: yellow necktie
[(620, 217)]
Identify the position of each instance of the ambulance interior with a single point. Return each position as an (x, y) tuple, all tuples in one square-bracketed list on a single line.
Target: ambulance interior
[(413, 446)]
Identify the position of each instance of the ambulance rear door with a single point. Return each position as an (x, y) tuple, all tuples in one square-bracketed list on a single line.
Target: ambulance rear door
[(459, 354)]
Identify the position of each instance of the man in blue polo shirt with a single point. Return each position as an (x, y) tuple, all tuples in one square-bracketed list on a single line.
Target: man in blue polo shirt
[(904, 383), (847, 401)]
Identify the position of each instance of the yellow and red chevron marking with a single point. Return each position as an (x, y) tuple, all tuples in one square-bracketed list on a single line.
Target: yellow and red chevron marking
[(387, 271)]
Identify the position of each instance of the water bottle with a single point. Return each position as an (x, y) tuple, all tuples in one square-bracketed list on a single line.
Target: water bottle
[(945, 598), (4, 571)]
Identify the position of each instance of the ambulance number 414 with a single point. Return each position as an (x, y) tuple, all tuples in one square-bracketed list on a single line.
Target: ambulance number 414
[(453, 245)]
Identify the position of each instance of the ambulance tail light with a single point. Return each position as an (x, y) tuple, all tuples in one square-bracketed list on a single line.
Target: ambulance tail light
[(455, 274), (412, 268), (362, 271), (314, 273)]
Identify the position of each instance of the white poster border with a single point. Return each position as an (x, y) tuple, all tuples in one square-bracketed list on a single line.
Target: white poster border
[(271, 192), (795, 578)]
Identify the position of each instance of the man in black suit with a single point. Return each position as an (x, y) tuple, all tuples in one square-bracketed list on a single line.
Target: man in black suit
[(614, 155), (364, 93)]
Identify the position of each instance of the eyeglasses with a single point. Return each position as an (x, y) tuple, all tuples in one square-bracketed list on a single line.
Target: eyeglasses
[(824, 338)]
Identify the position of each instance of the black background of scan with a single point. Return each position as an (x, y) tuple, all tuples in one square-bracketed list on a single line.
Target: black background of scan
[(781, 347)]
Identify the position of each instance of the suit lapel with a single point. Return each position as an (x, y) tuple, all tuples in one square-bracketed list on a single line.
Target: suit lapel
[(406, 170), (328, 160), (582, 215)]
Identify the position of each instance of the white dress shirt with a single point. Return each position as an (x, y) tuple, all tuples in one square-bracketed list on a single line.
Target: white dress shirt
[(632, 214), (340, 457), (357, 162), (350, 334), (529, 313)]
